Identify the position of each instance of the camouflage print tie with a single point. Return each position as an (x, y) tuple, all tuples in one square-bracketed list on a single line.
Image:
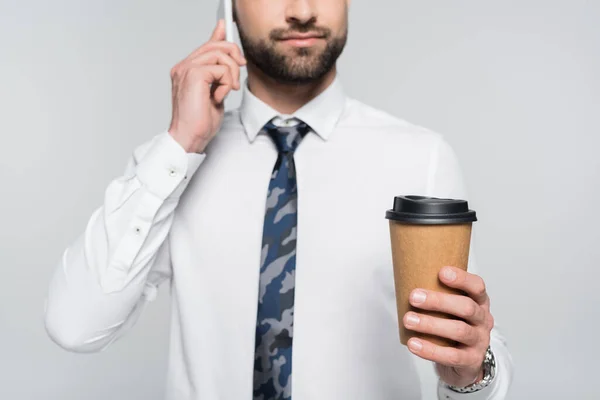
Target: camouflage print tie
[(275, 320)]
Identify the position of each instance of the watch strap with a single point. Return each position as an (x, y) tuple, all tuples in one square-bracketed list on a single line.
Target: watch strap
[(489, 372)]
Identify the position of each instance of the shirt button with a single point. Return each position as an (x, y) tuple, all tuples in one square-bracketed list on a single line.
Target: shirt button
[(138, 230), (172, 172)]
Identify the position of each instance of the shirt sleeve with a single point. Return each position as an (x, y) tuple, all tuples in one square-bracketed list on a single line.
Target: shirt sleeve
[(106, 275), (446, 180)]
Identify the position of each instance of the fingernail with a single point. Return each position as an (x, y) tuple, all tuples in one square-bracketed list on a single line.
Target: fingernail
[(449, 274), (419, 296), (412, 319), (415, 344)]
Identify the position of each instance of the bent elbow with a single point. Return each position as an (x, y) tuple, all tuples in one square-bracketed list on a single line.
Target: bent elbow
[(71, 336)]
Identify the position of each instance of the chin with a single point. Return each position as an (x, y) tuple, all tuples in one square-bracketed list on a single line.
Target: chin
[(304, 67)]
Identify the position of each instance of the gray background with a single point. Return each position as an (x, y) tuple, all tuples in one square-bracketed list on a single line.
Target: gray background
[(513, 85)]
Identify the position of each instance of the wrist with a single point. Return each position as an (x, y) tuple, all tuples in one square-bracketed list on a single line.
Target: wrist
[(189, 144), (488, 372), (477, 377), (480, 375)]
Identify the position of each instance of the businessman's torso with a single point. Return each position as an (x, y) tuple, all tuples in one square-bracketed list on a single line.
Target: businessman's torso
[(346, 343)]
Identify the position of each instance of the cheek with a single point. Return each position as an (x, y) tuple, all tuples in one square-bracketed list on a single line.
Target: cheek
[(336, 21), (263, 13), (259, 25)]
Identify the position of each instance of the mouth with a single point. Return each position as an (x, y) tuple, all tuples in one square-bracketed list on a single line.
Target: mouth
[(302, 39)]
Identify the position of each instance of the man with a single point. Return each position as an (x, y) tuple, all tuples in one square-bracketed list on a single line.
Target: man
[(311, 276)]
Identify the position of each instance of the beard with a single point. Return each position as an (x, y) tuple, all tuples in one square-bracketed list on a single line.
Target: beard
[(305, 65)]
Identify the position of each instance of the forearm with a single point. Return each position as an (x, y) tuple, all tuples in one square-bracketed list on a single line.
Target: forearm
[(90, 298), (97, 288)]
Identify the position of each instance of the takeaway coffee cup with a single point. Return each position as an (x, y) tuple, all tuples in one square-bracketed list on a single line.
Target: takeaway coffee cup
[(427, 234)]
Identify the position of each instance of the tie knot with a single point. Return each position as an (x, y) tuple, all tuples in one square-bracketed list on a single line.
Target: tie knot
[(287, 138)]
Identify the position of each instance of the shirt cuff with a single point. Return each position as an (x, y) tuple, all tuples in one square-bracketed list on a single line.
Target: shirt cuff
[(487, 393), (166, 169)]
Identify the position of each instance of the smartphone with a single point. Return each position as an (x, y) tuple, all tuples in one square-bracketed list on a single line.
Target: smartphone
[(226, 12)]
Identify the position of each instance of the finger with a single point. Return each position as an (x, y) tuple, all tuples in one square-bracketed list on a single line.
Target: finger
[(217, 79), (209, 74), (219, 31), (472, 284), (231, 49), (460, 306), (449, 356), (452, 329), (219, 58), (221, 80), (221, 93)]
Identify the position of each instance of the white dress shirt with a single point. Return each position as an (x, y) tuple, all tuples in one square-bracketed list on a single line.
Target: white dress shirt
[(196, 221)]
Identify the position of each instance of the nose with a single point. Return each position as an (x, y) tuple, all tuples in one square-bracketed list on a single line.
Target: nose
[(301, 12)]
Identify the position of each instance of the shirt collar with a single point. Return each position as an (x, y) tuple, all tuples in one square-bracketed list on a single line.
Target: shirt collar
[(321, 113)]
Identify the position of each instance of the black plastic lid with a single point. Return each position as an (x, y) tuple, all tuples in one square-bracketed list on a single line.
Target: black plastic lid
[(423, 210)]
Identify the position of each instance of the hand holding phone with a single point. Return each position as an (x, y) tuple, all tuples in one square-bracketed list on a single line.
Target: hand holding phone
[(200, 84)]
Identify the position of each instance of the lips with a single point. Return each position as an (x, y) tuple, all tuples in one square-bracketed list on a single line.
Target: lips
[(302, 39), (302, 36)]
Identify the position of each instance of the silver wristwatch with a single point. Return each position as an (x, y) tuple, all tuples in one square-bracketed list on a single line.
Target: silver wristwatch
[(489, 372)]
